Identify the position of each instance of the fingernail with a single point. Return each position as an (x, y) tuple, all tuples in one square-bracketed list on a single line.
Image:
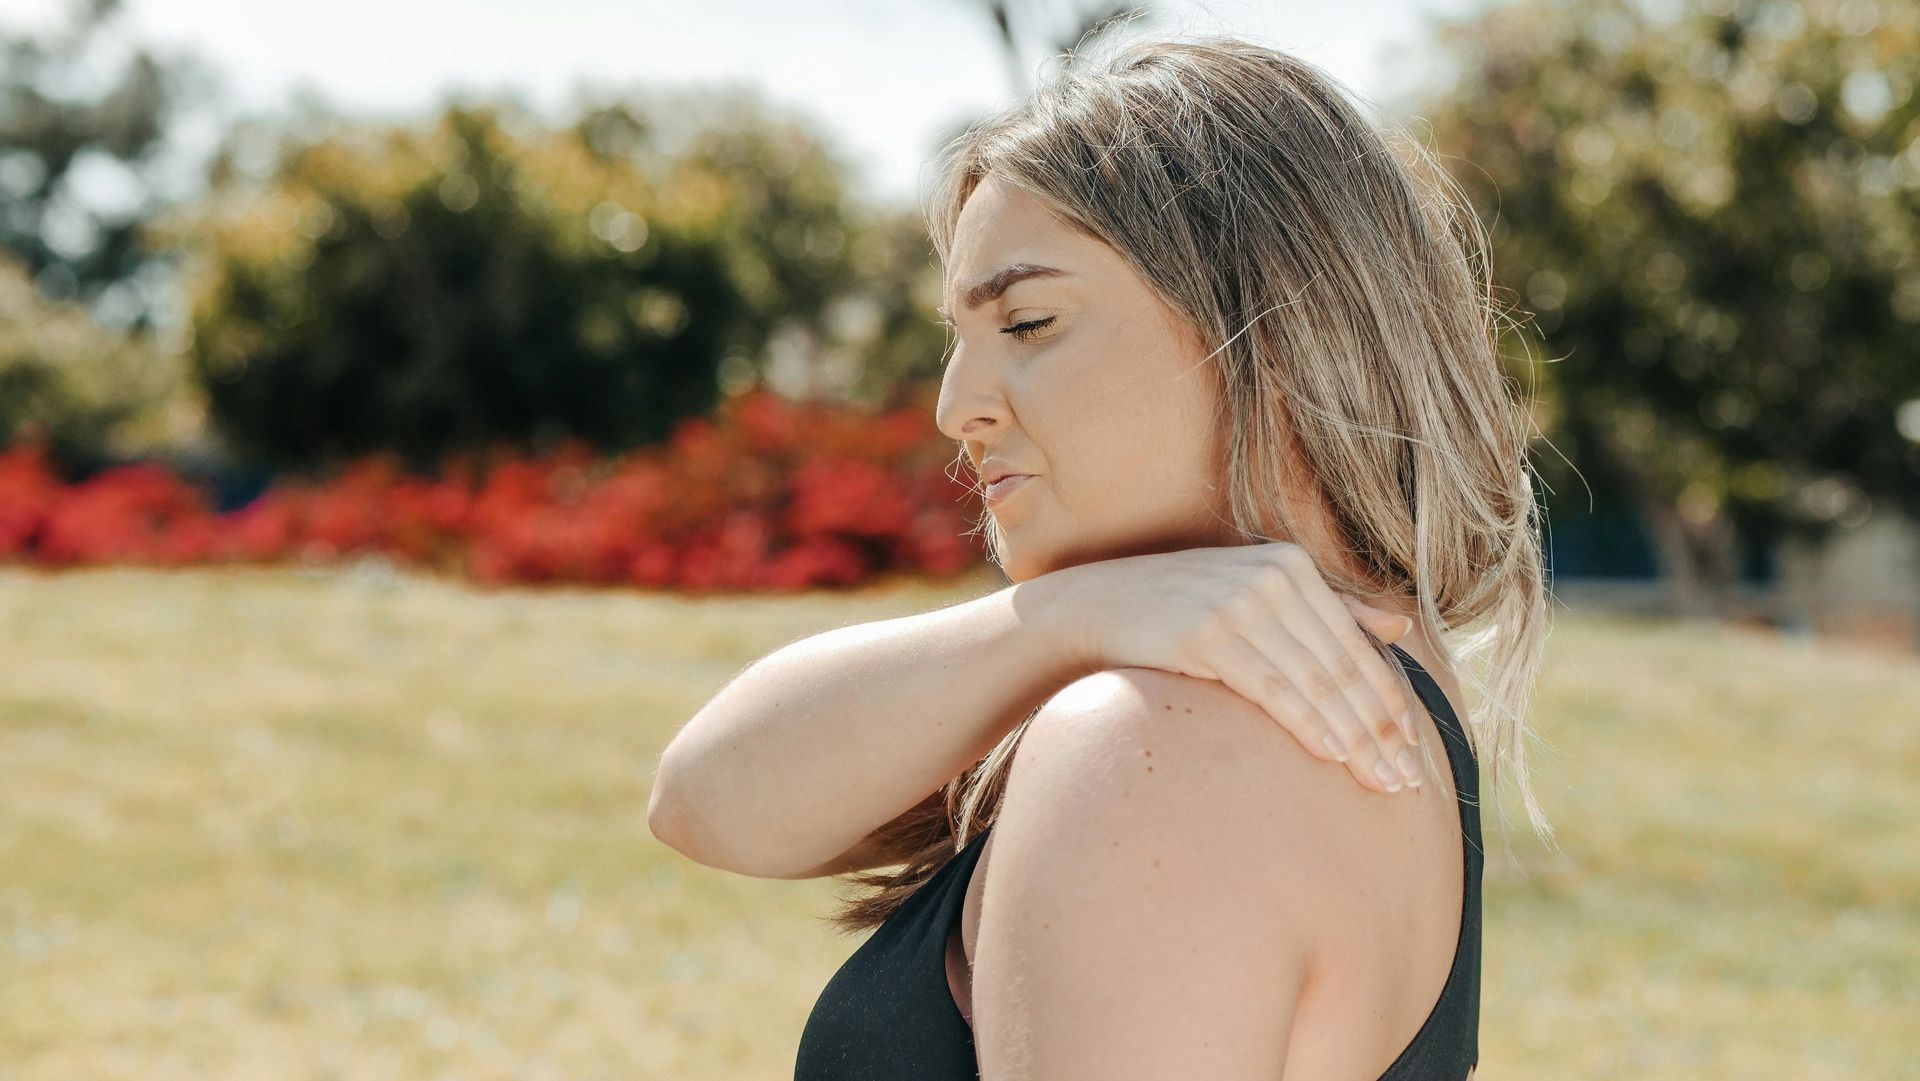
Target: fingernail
[(1408, 767), (1333, 745), (1387, 776)]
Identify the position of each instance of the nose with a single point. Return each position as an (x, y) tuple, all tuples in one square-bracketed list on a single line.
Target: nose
[(971, 404)]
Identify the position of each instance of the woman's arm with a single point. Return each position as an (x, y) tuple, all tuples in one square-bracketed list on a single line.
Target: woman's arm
[(793, 765), (868, 852), (790, 769)]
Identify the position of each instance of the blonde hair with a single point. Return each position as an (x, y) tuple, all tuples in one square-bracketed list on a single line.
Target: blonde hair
[(1338, 279)]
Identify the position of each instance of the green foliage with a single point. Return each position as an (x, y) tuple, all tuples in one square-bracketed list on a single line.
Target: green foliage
[(842, 290), (1715, 215), (781, 222), (430, 291), (490, 279), (90, 391)]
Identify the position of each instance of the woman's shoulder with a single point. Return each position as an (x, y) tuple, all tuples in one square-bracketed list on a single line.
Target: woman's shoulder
[(1197, 731), (1154, 823), (1169, 761), (1144, 892)]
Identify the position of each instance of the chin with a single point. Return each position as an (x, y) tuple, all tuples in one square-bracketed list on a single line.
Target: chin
[(1015, 568), (1023, 554), (1017, 562), (1024, 561)]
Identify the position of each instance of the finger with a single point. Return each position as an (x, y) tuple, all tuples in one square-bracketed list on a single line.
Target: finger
[(1339, 621), (1386, 626), (1312, 613), (1248, 673), (1366, 753)]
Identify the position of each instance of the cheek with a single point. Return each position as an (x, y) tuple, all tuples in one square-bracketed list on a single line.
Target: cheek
[(1116, 446)]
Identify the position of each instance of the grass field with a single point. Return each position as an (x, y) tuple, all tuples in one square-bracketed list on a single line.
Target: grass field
[(353, 824)]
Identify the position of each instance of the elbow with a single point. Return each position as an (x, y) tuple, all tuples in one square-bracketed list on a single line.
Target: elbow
[(667, 815), (676, 822), (657, 823)]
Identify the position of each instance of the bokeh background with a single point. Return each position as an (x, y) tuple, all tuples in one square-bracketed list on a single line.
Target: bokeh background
[(411, 414)]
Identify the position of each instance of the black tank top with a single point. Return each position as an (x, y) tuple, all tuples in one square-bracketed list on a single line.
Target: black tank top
[(888, 1015)]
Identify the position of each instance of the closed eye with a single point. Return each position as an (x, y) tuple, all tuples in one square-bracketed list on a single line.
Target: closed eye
[(1024, 331)]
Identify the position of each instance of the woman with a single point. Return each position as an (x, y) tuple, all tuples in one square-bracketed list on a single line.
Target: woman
[(1229, 350)]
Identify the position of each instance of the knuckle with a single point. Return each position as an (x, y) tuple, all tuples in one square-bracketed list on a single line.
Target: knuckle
[(1273, 685), (1320, 687), (1384, 728), (1213, 628), (1274, 579), (1347, 673), (1243, 607), (1287, 704), (1292, 558)]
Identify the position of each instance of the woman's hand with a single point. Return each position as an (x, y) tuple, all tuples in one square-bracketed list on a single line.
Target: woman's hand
[(1260, 619)]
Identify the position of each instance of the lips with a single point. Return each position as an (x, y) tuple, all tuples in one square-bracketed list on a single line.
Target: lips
[(1006, 486), (995, 469)]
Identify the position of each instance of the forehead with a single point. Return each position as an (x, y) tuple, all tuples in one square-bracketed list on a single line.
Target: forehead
[(1001, 232), (1000, 224)]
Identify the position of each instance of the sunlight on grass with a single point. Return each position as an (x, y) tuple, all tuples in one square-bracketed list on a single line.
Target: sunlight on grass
[(280, 823)]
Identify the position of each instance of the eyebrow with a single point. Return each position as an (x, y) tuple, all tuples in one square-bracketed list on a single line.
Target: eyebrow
[(999, 282)]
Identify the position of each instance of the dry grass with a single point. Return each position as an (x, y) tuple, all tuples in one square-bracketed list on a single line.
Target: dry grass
[(349, 824)]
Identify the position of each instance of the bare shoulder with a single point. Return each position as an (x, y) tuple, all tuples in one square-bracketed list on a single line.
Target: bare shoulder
[(1203, 729), (1148, 905), (1171, 762)]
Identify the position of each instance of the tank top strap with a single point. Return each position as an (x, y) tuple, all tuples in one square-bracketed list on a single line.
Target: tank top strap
[(943, 894)]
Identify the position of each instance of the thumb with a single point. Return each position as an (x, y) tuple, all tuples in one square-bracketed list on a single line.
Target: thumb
[(1386, 626)]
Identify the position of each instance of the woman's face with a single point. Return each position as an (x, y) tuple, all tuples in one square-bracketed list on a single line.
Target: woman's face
[(1109, 405)]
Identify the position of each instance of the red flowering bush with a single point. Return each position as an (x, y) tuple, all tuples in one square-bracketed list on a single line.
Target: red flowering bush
[(28, 491), (770, 495)]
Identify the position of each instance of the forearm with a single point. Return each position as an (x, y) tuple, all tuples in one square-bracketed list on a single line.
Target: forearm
[(821, 742)]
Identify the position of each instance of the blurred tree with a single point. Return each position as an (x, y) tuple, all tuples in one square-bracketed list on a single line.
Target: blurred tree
[(1714, 217), (899, 338), (492, 279), (427, 291), (79, 146), (92, 392), (782, 222), (842, 294)]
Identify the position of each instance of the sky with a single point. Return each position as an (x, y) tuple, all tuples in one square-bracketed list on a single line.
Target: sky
[(879, 77)]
